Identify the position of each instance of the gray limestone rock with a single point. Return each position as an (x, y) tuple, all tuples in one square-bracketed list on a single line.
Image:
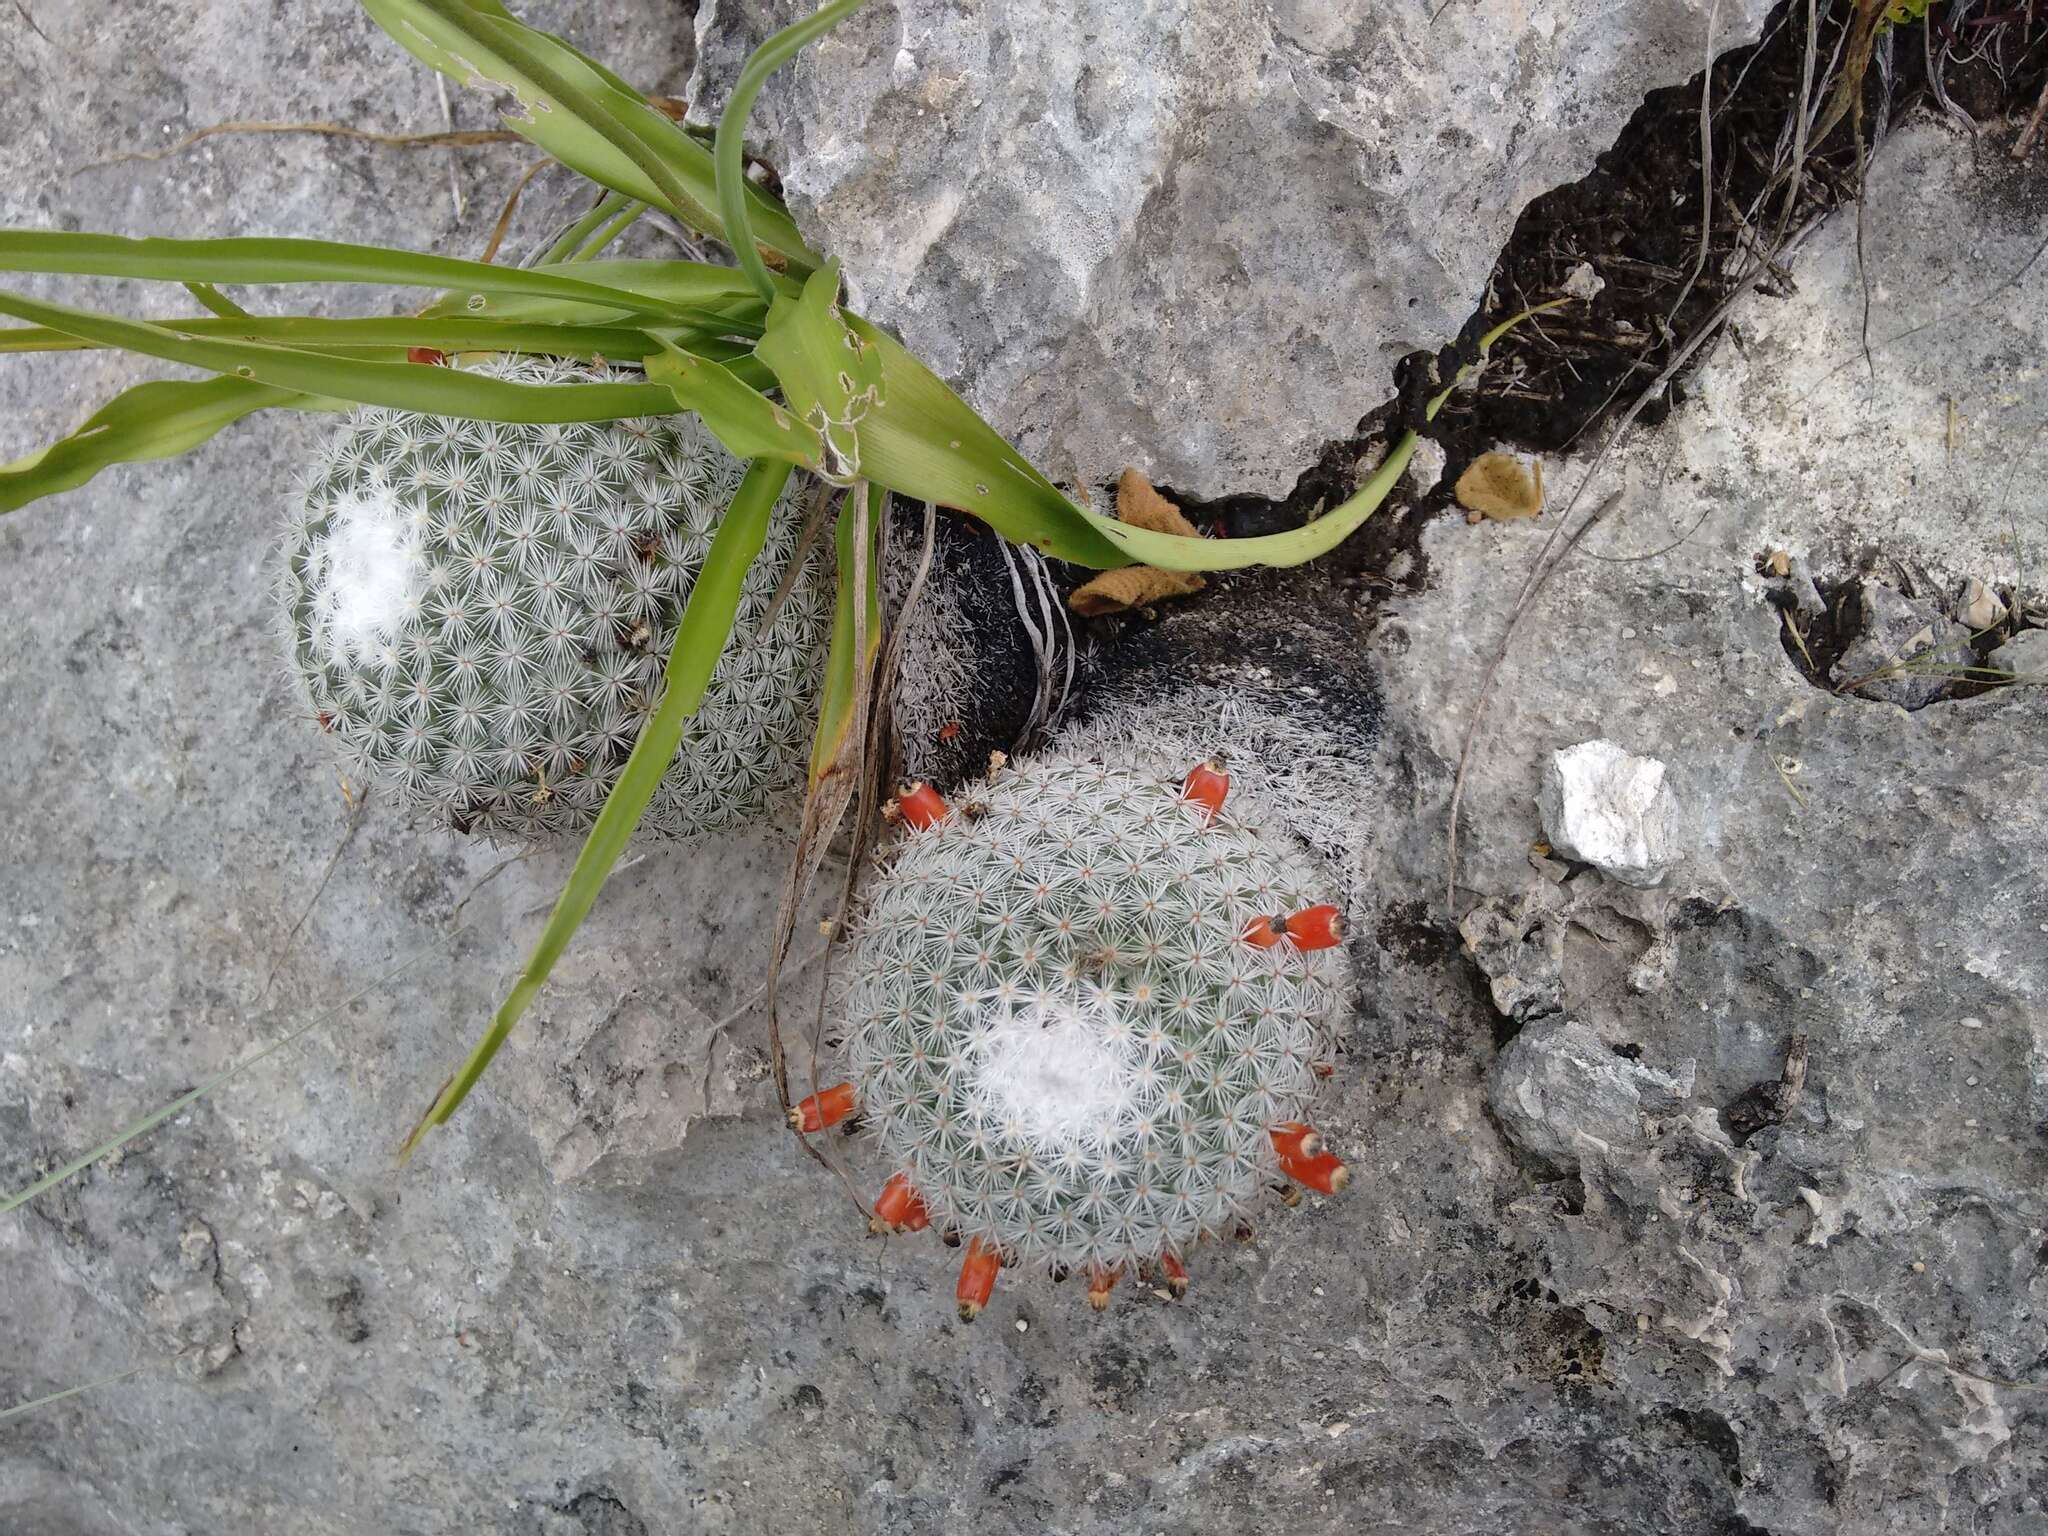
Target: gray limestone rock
[(1192, 237), (1519, 944), (1906, 652), (1559, 1091), (612, 1295), (1844, 1304), (2025, 655), (1605, 806)]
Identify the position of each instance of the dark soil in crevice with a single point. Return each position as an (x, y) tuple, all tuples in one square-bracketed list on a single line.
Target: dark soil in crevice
[(1562, 378), (1815, 643), (1636, 220)]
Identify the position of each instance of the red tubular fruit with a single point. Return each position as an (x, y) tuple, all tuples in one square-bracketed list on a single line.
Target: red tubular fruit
[(822, 1110), (1296, 1141), (1101, 1281), (921, 805), (425, 355), (977, 1278), (1262, 932), (897, 1203), (1176, 1277), (1324, 1173), (1206, 785), (899, 1208), (1318, 927)]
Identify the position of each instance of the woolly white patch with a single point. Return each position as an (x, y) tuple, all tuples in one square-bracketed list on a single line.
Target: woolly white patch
[(1048, 1068), (368, 574)]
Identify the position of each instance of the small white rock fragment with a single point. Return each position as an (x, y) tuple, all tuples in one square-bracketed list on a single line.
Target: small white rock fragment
[(1609, 808), (1426, 466), (1582, 282), (1979, 607)]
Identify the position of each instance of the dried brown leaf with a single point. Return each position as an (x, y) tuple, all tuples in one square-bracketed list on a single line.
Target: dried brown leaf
[(1502, 486), (1138, 504)]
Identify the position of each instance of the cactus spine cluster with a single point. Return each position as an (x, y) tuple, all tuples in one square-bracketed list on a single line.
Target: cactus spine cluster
[(1073, 1025), (480, 614)]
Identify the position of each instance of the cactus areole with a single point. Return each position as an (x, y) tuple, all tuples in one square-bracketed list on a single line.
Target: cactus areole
[(1072, 1056), (479, 615)]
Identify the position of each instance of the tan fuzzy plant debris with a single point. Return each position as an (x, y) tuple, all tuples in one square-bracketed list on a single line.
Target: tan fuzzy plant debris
[(1138, 504), (1503, 486)]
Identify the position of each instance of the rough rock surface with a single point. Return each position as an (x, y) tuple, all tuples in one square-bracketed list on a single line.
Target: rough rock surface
[(1560, 1091), (613, 1297), (1190, 237), (2024, 655), (1844, 1306), (1905, 652), (1607, 807)]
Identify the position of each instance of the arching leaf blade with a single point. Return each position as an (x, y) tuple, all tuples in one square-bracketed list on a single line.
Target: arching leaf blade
[(150, 421), (701, 638)]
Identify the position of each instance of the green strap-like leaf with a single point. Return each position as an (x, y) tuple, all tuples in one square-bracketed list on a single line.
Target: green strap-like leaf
[(831, 376), (924, 442), (749, 424), (735, 193), (150, 421), (688, 289), (405, 386), (842, 679), (582, 114), (700, 640), (616, 343), (1178, 552), (269, 261)]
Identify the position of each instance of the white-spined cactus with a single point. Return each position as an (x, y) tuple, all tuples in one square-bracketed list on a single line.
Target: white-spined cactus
[(480, 614), (1084, 1013)]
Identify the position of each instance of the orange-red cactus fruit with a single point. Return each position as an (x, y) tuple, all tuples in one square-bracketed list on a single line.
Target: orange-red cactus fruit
[(977, 1278), (1206, 785), (1296, 1141), (1262, 933), (823, 1110), (921, 805), (1176, 1275), (1101, 1281), (425, 355), (1318, 927), (1324, 1172), (899, 1207)]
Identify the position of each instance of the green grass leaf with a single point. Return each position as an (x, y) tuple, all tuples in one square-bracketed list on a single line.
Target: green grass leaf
[(700, 640), (271, 261), (743, 418), (831, 377), (150, 421), (404, 386), (582, 114)]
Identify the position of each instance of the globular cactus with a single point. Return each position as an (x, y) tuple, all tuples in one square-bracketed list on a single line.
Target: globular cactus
[(480, 615), (1084, 1013)]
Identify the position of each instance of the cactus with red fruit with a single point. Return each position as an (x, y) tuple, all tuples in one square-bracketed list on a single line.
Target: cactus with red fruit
[(1061, 1029)]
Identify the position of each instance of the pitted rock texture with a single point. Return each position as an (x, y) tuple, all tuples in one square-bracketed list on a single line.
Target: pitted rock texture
[(613, 1295), (1189, 237), (1826, 1261)]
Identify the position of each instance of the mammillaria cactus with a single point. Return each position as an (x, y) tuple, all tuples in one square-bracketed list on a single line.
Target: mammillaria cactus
[(480, 614), (1084, 1014)]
